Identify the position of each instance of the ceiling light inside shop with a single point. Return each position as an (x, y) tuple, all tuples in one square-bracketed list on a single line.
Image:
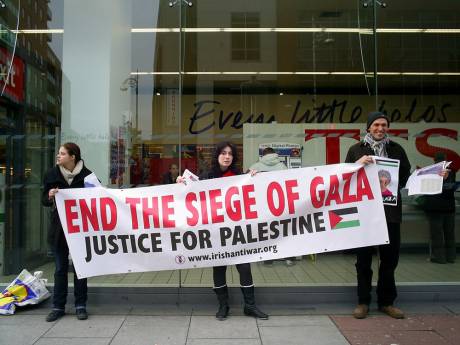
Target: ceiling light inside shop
[(305, 73), (312, 30)]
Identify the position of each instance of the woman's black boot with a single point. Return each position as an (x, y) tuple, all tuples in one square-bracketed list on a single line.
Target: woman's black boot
[(222, 297), (250, 308)]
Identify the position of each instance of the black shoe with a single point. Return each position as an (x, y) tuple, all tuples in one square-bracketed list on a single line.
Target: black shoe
[(54, 315), (81, 314), (254, 311), (222, 297), (250, 308), (222, 313)]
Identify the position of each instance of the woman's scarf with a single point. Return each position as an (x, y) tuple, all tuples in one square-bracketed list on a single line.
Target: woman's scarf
[(379, 147), (69, 175)]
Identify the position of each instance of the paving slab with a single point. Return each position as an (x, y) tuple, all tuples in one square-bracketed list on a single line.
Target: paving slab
[(208, 327), (296, 320), (73, 341), (369, 337), (305, 335), (451, 335), (223, 342), (439, 322), (97, 326), (420, 338), (12, 329), (377, 323), (391, 337), (148, 330)]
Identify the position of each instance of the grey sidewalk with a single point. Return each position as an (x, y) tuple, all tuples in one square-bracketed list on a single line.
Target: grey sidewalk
[(322, 324)]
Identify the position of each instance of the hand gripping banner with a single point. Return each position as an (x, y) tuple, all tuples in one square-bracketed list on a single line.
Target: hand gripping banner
[(223, 221)]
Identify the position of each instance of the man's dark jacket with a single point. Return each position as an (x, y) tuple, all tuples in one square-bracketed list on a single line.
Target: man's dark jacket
[(394, 151)]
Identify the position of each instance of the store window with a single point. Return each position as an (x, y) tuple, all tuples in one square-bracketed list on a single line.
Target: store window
[(245, 45), (154, 85)]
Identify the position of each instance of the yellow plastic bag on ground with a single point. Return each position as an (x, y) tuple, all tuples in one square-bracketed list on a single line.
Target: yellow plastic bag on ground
[(24, 290)]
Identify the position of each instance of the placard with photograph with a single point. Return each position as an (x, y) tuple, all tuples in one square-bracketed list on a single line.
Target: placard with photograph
[(388, 172)]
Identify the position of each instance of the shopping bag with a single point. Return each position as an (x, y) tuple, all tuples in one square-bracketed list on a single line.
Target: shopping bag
[(26, 289)]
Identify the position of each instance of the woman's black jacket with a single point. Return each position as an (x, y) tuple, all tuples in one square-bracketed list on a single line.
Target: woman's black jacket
[(216, 173), (54, 179)]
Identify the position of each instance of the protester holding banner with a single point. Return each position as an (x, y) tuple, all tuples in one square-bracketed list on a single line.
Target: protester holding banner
[(224, 164), (69, 172), (377, 143)]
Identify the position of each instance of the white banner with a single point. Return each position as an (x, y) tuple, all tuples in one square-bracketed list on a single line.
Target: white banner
[(223, 221)]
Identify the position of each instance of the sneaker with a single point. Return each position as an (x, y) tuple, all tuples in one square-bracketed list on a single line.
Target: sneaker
[(81, 314), (361, 311), (54, 315), (393, 312)]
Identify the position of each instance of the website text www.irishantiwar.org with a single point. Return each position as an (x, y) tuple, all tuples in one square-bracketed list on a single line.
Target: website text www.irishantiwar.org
[(233, 254)]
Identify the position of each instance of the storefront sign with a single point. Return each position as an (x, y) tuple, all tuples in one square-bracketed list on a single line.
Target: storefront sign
[(223, 221), (221, 117), (14, 79), (329, 143)]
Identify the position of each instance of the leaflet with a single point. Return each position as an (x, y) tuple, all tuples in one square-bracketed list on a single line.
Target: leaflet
[(427, 180)]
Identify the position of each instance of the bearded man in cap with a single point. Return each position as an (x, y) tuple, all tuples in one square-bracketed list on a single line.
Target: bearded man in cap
[(377, 143)]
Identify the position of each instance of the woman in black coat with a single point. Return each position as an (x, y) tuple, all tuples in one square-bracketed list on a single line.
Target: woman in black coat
[(69, 172), (224, 164)]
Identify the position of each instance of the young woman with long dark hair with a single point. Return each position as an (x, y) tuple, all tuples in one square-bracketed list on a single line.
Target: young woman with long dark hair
[(224, 164), (69, 172)]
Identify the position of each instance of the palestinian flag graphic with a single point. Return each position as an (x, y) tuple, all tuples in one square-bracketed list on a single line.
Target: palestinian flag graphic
[(344, 218)]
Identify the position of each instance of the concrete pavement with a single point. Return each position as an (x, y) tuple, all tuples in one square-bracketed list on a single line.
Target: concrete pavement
[(162, 324)]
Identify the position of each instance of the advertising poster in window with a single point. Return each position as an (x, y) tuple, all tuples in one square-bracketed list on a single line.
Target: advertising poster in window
[(288, 153)]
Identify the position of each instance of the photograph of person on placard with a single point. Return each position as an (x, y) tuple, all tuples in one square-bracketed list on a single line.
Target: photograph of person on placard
[(385, 181), (388, 179)]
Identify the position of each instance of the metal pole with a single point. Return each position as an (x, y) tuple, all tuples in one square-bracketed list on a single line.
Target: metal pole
[(180, 112), (137, 101), (376, 90)]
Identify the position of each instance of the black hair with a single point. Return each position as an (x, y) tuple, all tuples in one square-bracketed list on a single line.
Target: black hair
[(267, 151), (219, 148)]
